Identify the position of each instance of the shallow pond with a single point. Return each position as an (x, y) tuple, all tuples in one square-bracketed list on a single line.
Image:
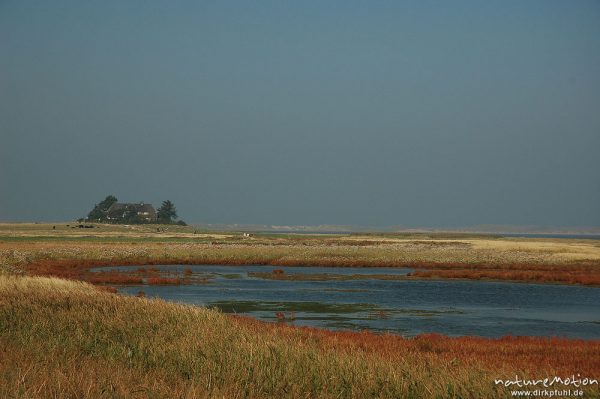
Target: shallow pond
[(381, 299)]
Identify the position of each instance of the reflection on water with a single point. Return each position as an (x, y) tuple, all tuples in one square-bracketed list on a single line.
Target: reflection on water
[(381, 299)]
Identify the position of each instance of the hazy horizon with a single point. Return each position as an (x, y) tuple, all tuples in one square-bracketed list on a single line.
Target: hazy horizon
[(381, 114)]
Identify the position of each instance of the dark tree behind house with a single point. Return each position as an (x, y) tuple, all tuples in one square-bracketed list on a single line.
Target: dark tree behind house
[(99, 212), (167, 212)]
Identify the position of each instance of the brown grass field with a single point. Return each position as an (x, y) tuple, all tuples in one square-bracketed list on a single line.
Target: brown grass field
[(66, 252), (61, 338)]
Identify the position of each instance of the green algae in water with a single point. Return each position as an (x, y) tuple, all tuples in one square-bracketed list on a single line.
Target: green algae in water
[(230, 276), (311, 307), (427, 312), (322, 307), (323, 276), (348, 325)]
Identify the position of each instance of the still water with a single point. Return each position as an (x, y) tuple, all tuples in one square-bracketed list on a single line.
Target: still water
[(406, 307)]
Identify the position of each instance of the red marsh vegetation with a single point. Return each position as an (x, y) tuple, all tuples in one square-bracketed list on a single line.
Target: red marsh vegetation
[(163, 281), (560, 355), (579, 273)]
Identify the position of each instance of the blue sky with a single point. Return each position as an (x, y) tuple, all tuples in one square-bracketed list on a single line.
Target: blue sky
[(342, 112)]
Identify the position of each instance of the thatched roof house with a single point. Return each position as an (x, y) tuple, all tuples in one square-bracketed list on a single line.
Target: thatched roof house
[(123, 211)]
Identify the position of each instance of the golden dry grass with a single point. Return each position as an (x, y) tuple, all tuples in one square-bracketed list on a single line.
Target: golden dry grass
[(536, 260), (66, 339), (70, 230)]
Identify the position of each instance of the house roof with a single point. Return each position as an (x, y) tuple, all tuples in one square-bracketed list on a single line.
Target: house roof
[(146, 208), (123, 206)]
